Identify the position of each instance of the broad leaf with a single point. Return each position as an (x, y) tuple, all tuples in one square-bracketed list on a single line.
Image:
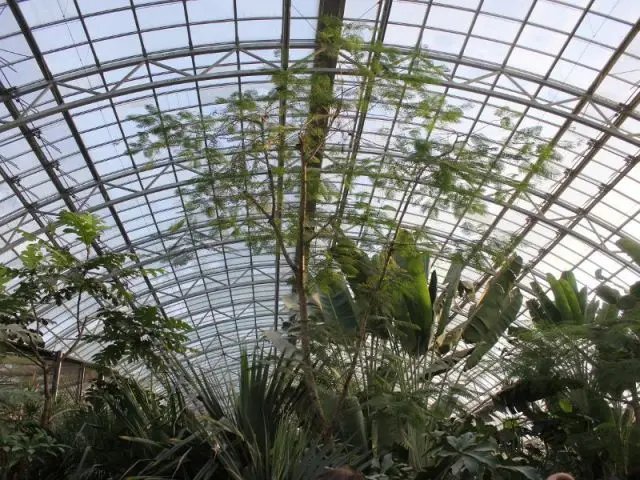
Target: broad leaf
[(415, 306), (451, 280), (505, 318), (487, 322), (86, 226), (338, 307), (527, 472), (32, 256)]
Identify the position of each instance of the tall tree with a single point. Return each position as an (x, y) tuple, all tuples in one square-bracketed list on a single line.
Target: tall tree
[(53, 275), (260, 180)]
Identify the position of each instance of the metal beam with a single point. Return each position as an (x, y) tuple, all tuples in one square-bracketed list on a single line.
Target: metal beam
[(488, 199), (434, 55), (587, 158), (33, 45), (459, 85)]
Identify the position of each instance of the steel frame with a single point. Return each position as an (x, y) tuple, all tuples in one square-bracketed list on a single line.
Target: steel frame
[(554, 108)]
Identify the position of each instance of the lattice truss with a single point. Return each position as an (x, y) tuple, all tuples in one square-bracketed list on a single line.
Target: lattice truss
[(72, 71)]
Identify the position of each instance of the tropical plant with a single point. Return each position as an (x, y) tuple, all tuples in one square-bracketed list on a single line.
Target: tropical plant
[(117, 431), (253, 148), (141, 335), (255, 429), (372, 375), (24, 448), (470, 456), (397, 382), (412, 314), (52, 275), (618, 340), (574, 377), (492, 316)]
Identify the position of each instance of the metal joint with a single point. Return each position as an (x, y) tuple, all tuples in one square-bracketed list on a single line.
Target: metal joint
[(8, 93), (622, 108), (33, 132)]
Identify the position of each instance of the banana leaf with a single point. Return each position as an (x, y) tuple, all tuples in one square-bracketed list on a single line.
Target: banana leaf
[(351, 423), (356, 266), (447, 340), (433, 283), (486, 324), (451, 280), (445, 363), (527, 390), (415, 304), (338, 307), (506, 318), (549, 312), (631, 248)]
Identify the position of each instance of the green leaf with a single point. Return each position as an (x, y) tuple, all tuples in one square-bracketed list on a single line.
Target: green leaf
[(505, 317), (560, 299), (608, 294), (338, 307), (526, 471), (28, 235), (565, 405), (86, 226), (144, 441), (415, 303), (451, 280), (505, 122), (354, 263), (6, 274), (32, 256), (631, 248), (495, 312), (147, 166), (60, 257), (177, 226)]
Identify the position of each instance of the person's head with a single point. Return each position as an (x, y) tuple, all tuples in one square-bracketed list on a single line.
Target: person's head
[(343, 473), (560, 476)]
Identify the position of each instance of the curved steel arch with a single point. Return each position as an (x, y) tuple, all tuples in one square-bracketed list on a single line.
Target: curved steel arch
[(63, 107), (227, 50), (579, 213)]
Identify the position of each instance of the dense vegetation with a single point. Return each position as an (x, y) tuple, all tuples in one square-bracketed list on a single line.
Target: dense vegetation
[(367, 371)]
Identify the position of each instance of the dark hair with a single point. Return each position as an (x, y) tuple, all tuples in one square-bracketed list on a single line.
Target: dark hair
[(343, 473)]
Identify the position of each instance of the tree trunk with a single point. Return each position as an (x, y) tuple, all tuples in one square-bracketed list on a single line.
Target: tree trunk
[(301, 274), (48, 404)]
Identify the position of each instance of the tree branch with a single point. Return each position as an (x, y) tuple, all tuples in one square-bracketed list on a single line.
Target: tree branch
[(272, 188), (331, 219), (34, 347), (21, 352), (276, 230)]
